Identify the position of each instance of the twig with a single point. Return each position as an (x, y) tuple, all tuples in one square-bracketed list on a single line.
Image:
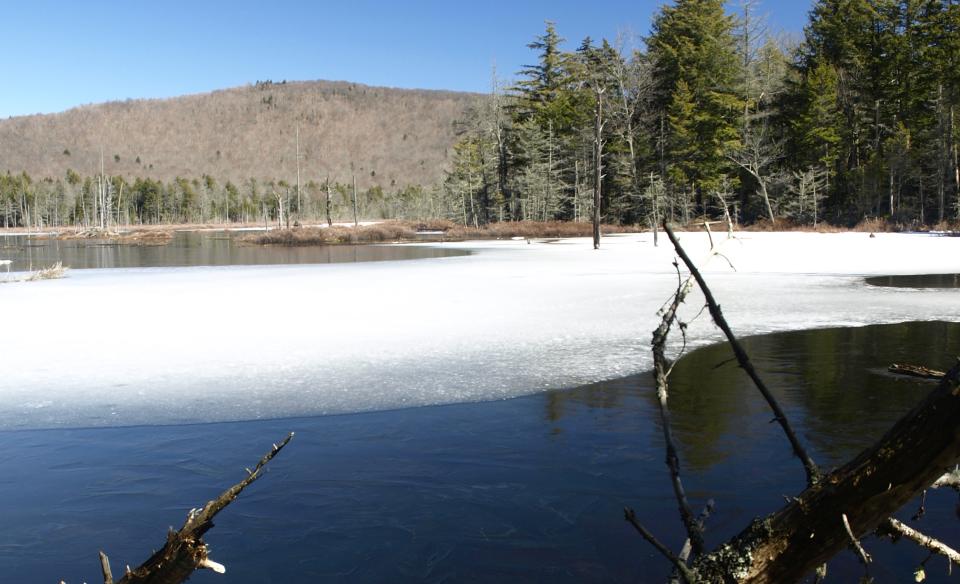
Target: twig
[(684, 570), (924, 541), (865, 558), (923, 507), (813, 473)]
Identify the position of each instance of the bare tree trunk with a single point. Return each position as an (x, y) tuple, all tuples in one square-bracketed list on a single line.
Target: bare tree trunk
[(598, 166), (299, 208), (356, 222), (329, 218), (892, 208), (943, 157), (806, 532), (956, 162)]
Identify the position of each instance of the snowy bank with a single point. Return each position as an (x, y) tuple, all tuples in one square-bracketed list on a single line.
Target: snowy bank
[(169, 345)]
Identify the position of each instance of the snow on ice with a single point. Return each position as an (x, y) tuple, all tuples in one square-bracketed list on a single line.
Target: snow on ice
[(174, 345)]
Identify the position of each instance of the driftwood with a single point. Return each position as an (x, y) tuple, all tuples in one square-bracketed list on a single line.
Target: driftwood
[(915, 371), (846, 504), (185, 551)]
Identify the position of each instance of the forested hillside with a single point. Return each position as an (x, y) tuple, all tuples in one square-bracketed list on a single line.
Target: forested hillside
[(710, 115), (391, 138), (716, 116)]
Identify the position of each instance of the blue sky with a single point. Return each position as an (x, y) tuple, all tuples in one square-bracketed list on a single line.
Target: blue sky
[(57, 55)]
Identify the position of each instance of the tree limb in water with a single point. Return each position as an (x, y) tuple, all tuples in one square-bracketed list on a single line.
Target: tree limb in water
[(185, 551), (744, 360), (915, 371), (787, 545)]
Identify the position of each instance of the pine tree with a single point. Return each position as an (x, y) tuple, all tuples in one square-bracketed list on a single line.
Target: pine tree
[(695, 77)]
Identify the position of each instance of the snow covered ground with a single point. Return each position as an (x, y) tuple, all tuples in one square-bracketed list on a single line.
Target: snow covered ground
[(171, 345)]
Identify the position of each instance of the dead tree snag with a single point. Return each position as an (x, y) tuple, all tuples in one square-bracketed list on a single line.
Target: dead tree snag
[(185, 551), (842, 506)]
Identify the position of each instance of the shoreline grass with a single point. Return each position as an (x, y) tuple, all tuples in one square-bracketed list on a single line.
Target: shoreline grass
[(52, 272), (424, 231)]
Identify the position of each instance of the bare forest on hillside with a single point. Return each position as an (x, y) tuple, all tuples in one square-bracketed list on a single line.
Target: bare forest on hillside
[(386, 137)]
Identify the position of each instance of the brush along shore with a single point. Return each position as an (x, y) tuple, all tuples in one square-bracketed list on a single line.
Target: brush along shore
[(430, 230)]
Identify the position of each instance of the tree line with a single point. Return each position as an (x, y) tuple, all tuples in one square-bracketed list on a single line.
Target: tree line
[(104, 201), (715, 116), (712, 116)]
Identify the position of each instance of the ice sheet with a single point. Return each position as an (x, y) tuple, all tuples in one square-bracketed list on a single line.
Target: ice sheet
[(147, 346)]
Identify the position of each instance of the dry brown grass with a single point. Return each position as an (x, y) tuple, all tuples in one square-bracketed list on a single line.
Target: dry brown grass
[(406, 231), (56, 271), (135, 237), (53, 272), (868, 225), (532, 229), (377, 233)]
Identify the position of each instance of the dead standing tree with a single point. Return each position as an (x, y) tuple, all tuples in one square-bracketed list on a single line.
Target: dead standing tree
[(835, 509), (185, 551)]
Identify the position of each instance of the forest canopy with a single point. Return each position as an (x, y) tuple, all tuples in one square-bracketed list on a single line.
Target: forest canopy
[(710, 115)]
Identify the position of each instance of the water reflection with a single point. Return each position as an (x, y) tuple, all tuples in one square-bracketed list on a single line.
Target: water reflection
[(832, 383), (916, 281), (218, 248), (522, 490)]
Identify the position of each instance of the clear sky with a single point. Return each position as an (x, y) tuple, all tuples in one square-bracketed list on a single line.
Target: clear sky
[(60, 54)]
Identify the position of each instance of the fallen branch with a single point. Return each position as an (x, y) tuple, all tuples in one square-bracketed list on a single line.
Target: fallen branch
[(788, 544), (185, 550), (915, 371), (925, 541), (800, 537), (661, 372), (813, 473)]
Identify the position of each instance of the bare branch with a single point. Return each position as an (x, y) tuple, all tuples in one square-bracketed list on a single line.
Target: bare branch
[(924, 541), (865, 558), (813, 473), (685, 571), (661, 372), (185, 550)]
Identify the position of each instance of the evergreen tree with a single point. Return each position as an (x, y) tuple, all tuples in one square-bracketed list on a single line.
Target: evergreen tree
[(695, 77)]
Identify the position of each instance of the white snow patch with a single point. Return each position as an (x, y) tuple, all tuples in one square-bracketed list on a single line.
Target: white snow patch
[(134, 346)]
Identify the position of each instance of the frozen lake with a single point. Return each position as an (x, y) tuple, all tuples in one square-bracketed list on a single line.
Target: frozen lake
[(522, 490), (106, 372), (182, 345)]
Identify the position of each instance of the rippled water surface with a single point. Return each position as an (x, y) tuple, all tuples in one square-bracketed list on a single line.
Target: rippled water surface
[(208, 248), (522, 490)]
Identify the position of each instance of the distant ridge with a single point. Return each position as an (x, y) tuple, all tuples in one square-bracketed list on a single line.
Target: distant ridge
[(388, 137)]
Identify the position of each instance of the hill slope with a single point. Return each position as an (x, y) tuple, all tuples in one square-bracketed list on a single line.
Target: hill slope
[(390, 137)]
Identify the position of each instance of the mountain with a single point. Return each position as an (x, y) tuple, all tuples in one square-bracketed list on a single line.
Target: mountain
[(385, 136)]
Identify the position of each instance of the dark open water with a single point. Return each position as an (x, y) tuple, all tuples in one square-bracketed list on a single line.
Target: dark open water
[(192, 248), (523, 490), (917, 281)]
